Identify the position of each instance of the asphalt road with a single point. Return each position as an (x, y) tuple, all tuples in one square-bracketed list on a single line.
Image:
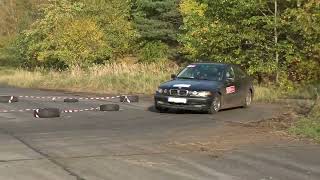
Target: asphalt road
[(137, 143)]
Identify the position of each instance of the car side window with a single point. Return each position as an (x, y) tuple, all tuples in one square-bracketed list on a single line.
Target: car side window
[(230, 73), (240, 73)]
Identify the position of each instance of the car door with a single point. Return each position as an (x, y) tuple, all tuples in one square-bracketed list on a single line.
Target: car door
[(231, 86), (242, 85)]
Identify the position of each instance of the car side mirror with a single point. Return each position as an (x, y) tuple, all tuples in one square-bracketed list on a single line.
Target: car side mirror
[(173, 76)]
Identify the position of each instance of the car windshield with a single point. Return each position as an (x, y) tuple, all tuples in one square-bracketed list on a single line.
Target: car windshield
[(210, 72)]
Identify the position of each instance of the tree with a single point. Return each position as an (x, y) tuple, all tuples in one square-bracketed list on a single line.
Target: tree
[(227, 31), (78, 33), (62, 37), (16, 15), (260, 35), (113, 16), (157, 20)]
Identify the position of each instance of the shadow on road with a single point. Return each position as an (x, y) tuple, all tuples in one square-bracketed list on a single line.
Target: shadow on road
[(177, 111)]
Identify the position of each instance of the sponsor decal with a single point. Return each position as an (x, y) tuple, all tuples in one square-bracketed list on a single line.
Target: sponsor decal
[(230, 89), (182, 85)]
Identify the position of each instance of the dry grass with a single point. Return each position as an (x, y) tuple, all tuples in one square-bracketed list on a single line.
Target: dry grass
[(118, 78), (276, 94), (267, 94), (111, 78)]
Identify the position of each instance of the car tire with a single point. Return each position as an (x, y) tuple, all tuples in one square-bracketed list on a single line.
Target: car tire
[(47, 113), (71, 100), (109, 107), (8, 99), (215, 105), (129, 99), (248, 99)]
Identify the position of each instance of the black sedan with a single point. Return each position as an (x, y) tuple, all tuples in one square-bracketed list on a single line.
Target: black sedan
[(206, 87)]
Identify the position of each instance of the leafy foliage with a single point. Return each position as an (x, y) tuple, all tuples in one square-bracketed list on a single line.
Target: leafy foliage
[(242, 32), (79, 42), (73, 34), (157, 20), (269, 44), (113, 18), (153, 52)]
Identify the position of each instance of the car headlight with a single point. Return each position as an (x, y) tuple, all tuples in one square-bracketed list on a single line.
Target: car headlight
[(160, 91), (200, 93)]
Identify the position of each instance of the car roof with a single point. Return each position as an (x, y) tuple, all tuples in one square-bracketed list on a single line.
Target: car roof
[(213, 63)]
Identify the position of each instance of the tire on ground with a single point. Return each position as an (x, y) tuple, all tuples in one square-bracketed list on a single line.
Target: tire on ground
[(8, 99), (248, 99), (109, 107), (71, 100), (47, 113), (129, 99)]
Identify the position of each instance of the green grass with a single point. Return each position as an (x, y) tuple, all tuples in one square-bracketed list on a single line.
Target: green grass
[(308, 128)]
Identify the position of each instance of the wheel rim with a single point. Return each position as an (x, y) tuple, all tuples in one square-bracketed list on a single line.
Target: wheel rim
[(216, 104), (248, 99)]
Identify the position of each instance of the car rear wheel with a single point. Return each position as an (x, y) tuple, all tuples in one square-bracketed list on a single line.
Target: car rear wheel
[(248, 99), (216, 105)]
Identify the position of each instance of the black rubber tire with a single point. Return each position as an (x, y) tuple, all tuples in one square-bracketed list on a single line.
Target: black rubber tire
[(246, 104), (129, 99), (47, 113), (71, 100), (109, 107), (8, 99), (213, 109)]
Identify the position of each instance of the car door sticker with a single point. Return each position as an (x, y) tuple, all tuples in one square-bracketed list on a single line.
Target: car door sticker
[(182, 85), (230, 89)]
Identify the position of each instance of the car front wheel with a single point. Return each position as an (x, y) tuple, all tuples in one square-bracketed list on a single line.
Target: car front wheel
[(161, 109), (216, 105)]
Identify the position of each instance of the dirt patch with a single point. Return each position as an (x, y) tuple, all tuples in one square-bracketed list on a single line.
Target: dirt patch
[(233, 135)]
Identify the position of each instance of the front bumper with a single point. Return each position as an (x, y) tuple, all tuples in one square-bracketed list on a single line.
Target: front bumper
[(193, 103)]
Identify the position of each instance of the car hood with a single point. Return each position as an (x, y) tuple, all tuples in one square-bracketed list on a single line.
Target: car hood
[(195, 85)]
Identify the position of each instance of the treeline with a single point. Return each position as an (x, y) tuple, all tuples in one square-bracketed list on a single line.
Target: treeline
[(277, 40)]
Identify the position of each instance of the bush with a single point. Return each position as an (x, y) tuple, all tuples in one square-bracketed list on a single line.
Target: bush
[(8, 52), (153, 52), (113, 16), (79, 43), (69, 34)]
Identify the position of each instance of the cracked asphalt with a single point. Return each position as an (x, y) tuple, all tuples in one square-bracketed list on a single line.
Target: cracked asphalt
[(137, 143)]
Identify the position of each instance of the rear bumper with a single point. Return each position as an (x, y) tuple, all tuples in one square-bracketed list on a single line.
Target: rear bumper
[(193, 104)]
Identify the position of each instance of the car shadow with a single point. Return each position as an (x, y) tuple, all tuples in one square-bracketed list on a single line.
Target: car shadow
[(172, 111)]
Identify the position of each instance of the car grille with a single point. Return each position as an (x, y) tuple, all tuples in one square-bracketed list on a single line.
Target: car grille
[(178, 92)]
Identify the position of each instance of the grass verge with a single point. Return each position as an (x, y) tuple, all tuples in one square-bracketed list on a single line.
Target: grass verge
[(120, 78), (309, 126), (111, 78), (274, 94)]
